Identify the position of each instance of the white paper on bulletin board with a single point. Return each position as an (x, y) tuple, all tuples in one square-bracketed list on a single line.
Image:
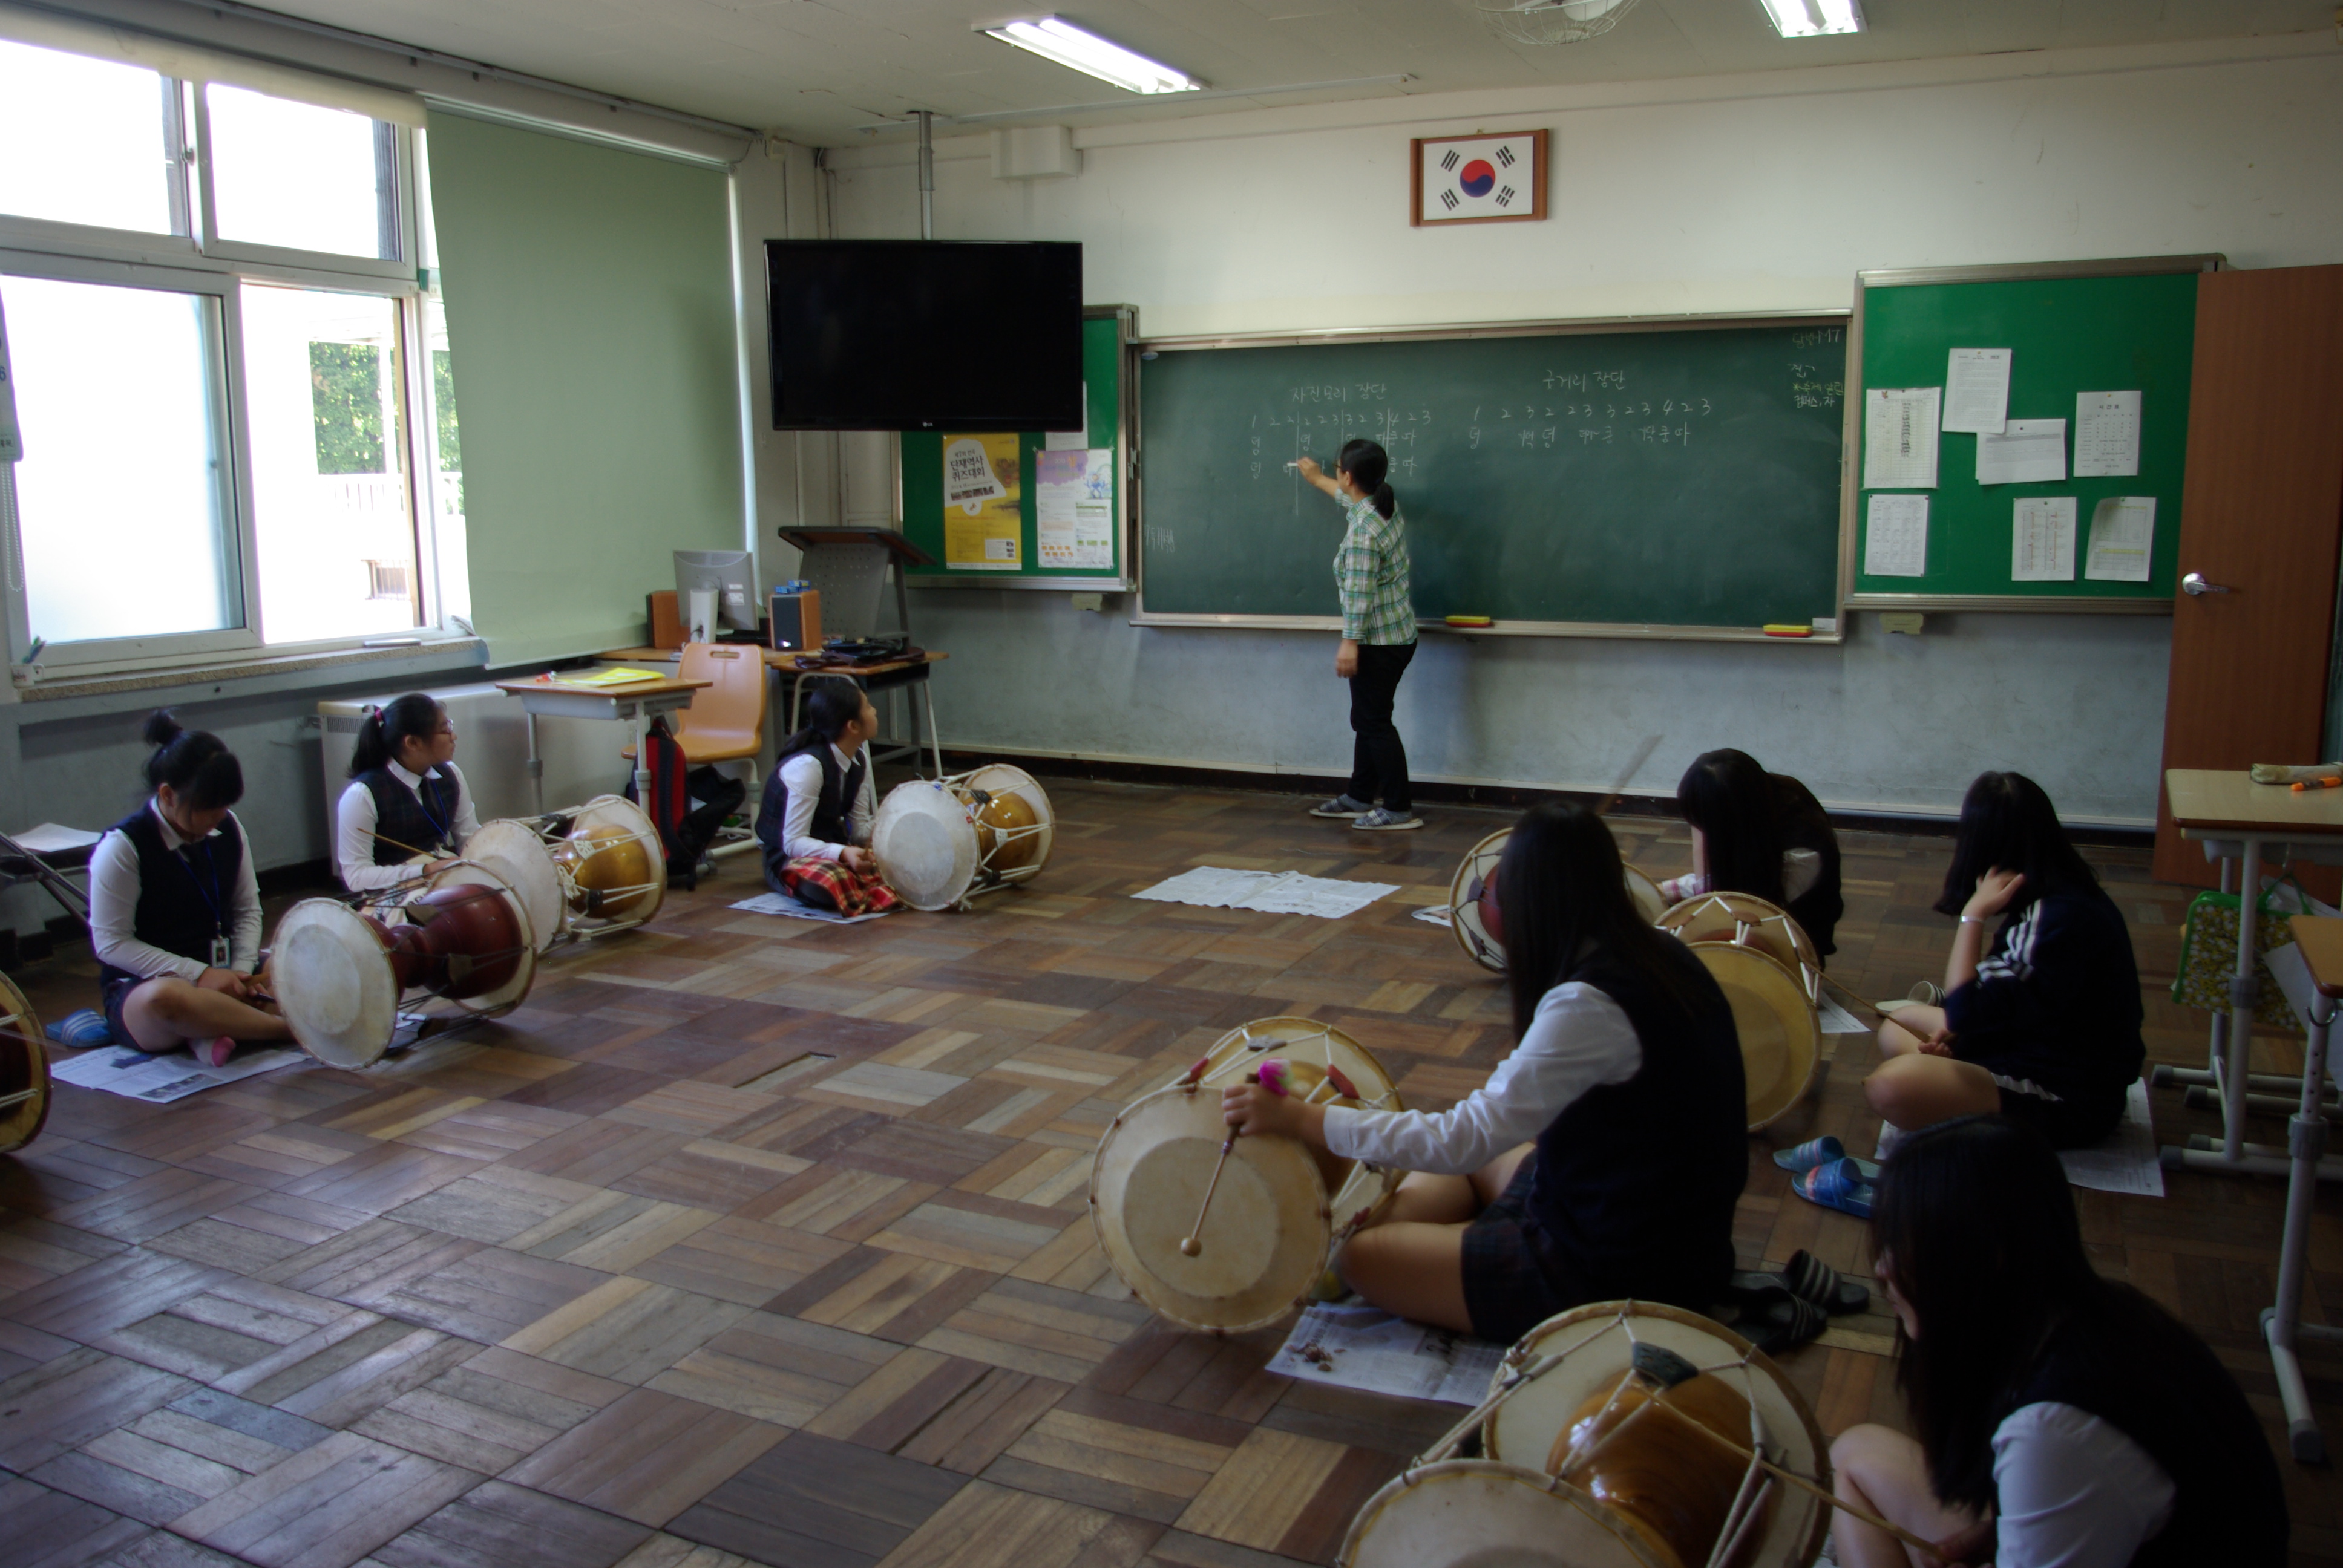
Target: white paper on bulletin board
[(1073, 507)]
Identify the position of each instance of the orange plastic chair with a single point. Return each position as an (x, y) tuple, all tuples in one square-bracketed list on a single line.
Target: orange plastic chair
[(726, 720)]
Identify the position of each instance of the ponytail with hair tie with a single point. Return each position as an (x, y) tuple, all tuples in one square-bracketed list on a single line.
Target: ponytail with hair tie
[(198, 767)]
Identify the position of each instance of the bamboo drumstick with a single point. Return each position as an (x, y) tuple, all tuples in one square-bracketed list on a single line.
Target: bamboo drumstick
[(387, 838), (1795, 1479)]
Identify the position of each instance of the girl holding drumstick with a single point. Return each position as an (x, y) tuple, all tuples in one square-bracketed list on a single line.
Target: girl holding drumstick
[(1760, 833), (406, 811), (2059, 1417), (175, 906), (1604, 1155), (1370, 575)]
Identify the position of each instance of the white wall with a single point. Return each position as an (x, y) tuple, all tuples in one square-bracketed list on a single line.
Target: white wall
[(1720, 195)]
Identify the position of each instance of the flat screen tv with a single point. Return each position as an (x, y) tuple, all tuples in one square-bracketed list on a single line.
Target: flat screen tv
[(925, 335)]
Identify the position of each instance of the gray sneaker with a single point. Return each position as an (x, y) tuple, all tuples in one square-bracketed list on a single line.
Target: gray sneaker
[(1384, 820), (1339, 806)]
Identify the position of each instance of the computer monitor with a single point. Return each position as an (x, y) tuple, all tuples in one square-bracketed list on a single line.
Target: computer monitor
[(712, 592)]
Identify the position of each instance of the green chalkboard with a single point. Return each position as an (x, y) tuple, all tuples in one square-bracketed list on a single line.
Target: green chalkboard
[(1105, 332), (2069, 330), (1586, 480)]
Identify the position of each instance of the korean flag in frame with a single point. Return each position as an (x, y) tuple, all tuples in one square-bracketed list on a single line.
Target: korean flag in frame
[(1493, 178)]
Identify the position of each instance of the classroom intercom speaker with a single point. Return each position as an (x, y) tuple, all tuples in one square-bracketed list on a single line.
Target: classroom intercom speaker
[(796, 621)]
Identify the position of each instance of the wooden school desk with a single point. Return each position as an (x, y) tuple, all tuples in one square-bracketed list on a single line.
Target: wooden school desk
[(2321, 941), (2238, 820), (908, 675), (638, 701)]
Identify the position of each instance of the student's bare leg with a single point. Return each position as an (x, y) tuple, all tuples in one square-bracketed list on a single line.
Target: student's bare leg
[(1901, 1035), (1884, 1472), (1422, 1198), (1914, 1090), (164, 1014), (1411, 1259)]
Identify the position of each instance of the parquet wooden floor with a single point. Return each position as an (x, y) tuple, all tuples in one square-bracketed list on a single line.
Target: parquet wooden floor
[(751, 1241)]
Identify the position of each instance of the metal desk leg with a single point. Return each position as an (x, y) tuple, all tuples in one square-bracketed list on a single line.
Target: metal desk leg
[(642, 755), (2282, 1325), (927, 690), (535, 762), (2243, 992)]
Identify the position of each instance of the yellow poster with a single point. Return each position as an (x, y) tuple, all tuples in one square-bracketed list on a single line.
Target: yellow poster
[(982, 487)]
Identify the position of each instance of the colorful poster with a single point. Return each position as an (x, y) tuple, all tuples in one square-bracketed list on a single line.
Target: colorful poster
[(983, 529), (1073, 497)]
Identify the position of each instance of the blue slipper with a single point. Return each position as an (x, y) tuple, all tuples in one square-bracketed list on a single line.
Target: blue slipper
[(1822, 1150), (1838, 1186), (86, 1028)]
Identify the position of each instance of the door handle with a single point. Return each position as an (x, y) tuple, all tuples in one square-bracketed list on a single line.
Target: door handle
[(2195, 584)]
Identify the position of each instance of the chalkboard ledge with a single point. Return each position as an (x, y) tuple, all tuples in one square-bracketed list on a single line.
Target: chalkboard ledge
[(2025, 604), (1630, 630), (1016, 580)]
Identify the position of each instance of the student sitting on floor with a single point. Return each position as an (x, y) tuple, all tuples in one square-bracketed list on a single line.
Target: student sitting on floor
[(2045, 1027), (2061, 1418), (1759, 833), (1627, 1076), (175, 906), (405, 812), (815, 821)]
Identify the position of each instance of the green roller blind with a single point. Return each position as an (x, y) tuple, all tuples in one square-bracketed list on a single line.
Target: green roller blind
[(590, 324)]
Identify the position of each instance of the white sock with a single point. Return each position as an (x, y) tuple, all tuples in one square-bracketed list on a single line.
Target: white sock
[(1890, 1136)]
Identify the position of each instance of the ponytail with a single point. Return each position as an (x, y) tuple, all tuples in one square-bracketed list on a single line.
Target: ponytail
[(1367, 463), (197, 764), (830, 705), (380, 733)]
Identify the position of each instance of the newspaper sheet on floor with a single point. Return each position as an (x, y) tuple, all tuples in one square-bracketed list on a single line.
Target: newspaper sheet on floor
[(1836, 1019), (2127, 1161), (1356, 1346), (782, 904), (172, 1075), (1434, 915), (1271, 892)]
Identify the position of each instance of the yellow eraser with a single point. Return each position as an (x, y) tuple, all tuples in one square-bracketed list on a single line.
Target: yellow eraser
[(1470, 620), (1774, 630)]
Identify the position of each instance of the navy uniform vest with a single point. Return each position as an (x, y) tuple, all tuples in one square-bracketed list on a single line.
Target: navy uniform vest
[(186, 896), (2141, 1372), (402, 819), (1635, 1183), (832, 813)]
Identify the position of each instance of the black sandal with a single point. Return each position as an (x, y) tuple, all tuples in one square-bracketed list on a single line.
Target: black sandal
[(1783, 1323), (1807, 1279)]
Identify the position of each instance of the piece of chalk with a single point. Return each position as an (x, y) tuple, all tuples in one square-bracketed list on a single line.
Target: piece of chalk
[(2318, 784), (1468, 620), (1773, 630)]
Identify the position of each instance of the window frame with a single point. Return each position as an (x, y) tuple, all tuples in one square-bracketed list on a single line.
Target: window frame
[(200, 262)]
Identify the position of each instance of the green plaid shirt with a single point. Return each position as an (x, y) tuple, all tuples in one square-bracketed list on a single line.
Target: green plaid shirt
[(1370, 574)]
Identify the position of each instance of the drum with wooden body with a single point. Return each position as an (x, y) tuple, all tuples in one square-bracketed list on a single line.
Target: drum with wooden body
[(339, 973), (23, 1070), (581, 872), (940, 844), (1278, 1208), (1773, 1013), (1590, 1463), (1752, 922), (1472, 913)]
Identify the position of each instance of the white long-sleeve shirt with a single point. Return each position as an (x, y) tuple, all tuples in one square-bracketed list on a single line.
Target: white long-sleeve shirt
[(1578, 1039), (2075, 1492), (802, 775), (1801, 869), (354, 820), (114, 885)]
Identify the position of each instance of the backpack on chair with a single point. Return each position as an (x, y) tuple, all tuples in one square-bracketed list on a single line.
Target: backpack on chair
[(670, 803)]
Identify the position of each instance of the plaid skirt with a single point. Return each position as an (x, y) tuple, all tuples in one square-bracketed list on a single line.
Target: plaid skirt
[(1509, 1290), (832, 885)]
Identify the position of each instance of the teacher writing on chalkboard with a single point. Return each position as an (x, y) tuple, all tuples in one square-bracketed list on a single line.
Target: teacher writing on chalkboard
[(1370, 574)]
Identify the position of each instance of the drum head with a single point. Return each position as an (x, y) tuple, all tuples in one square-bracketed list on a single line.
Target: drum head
[(1717, 917), (504, 997), (1264, 1238), (1014, 831), (1300, 1039), (925, 844), (616, 852), (1781, 1040), (23, 1070), (515, 853), (1472, 1514), (334, 984), (1600, 1340), (1479, 864), (1649, 901)]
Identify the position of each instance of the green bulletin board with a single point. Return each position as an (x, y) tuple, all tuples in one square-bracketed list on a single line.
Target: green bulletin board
[(1105, 331), (2081, 326)]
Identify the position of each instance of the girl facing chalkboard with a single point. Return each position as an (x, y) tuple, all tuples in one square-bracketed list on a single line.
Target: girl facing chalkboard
[(1370, 574)]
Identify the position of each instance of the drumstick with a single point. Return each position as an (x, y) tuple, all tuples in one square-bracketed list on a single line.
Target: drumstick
[(396, 845), (1643, 755), (1190, 1246)]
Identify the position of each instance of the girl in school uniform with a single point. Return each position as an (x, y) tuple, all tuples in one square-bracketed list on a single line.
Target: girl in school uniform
[(819, 805), (1759, 833), (2059, 1417), (175, 906), (1604, 1155), (1370, 574), (2043, 1027), (405, 812)]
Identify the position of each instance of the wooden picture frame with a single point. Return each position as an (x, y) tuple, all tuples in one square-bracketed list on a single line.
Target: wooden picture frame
[(1468, 182)]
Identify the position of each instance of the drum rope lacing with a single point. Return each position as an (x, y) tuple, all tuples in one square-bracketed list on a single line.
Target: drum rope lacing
[(1325, 1039)]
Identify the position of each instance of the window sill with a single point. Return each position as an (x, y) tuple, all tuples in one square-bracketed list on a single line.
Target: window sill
[(35, 686)]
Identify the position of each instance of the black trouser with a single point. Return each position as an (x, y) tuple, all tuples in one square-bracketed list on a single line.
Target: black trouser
[(1378, 761)]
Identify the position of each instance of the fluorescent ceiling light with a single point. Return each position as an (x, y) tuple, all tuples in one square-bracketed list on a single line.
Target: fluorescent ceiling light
[(1815, 18), (1055, 39)]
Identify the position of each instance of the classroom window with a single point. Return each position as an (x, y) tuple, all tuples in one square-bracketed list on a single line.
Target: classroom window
[(299, 177), (89, 142), (121, 512)]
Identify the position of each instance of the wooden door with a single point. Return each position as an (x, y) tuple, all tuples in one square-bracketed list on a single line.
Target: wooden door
[(2261, 515)]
